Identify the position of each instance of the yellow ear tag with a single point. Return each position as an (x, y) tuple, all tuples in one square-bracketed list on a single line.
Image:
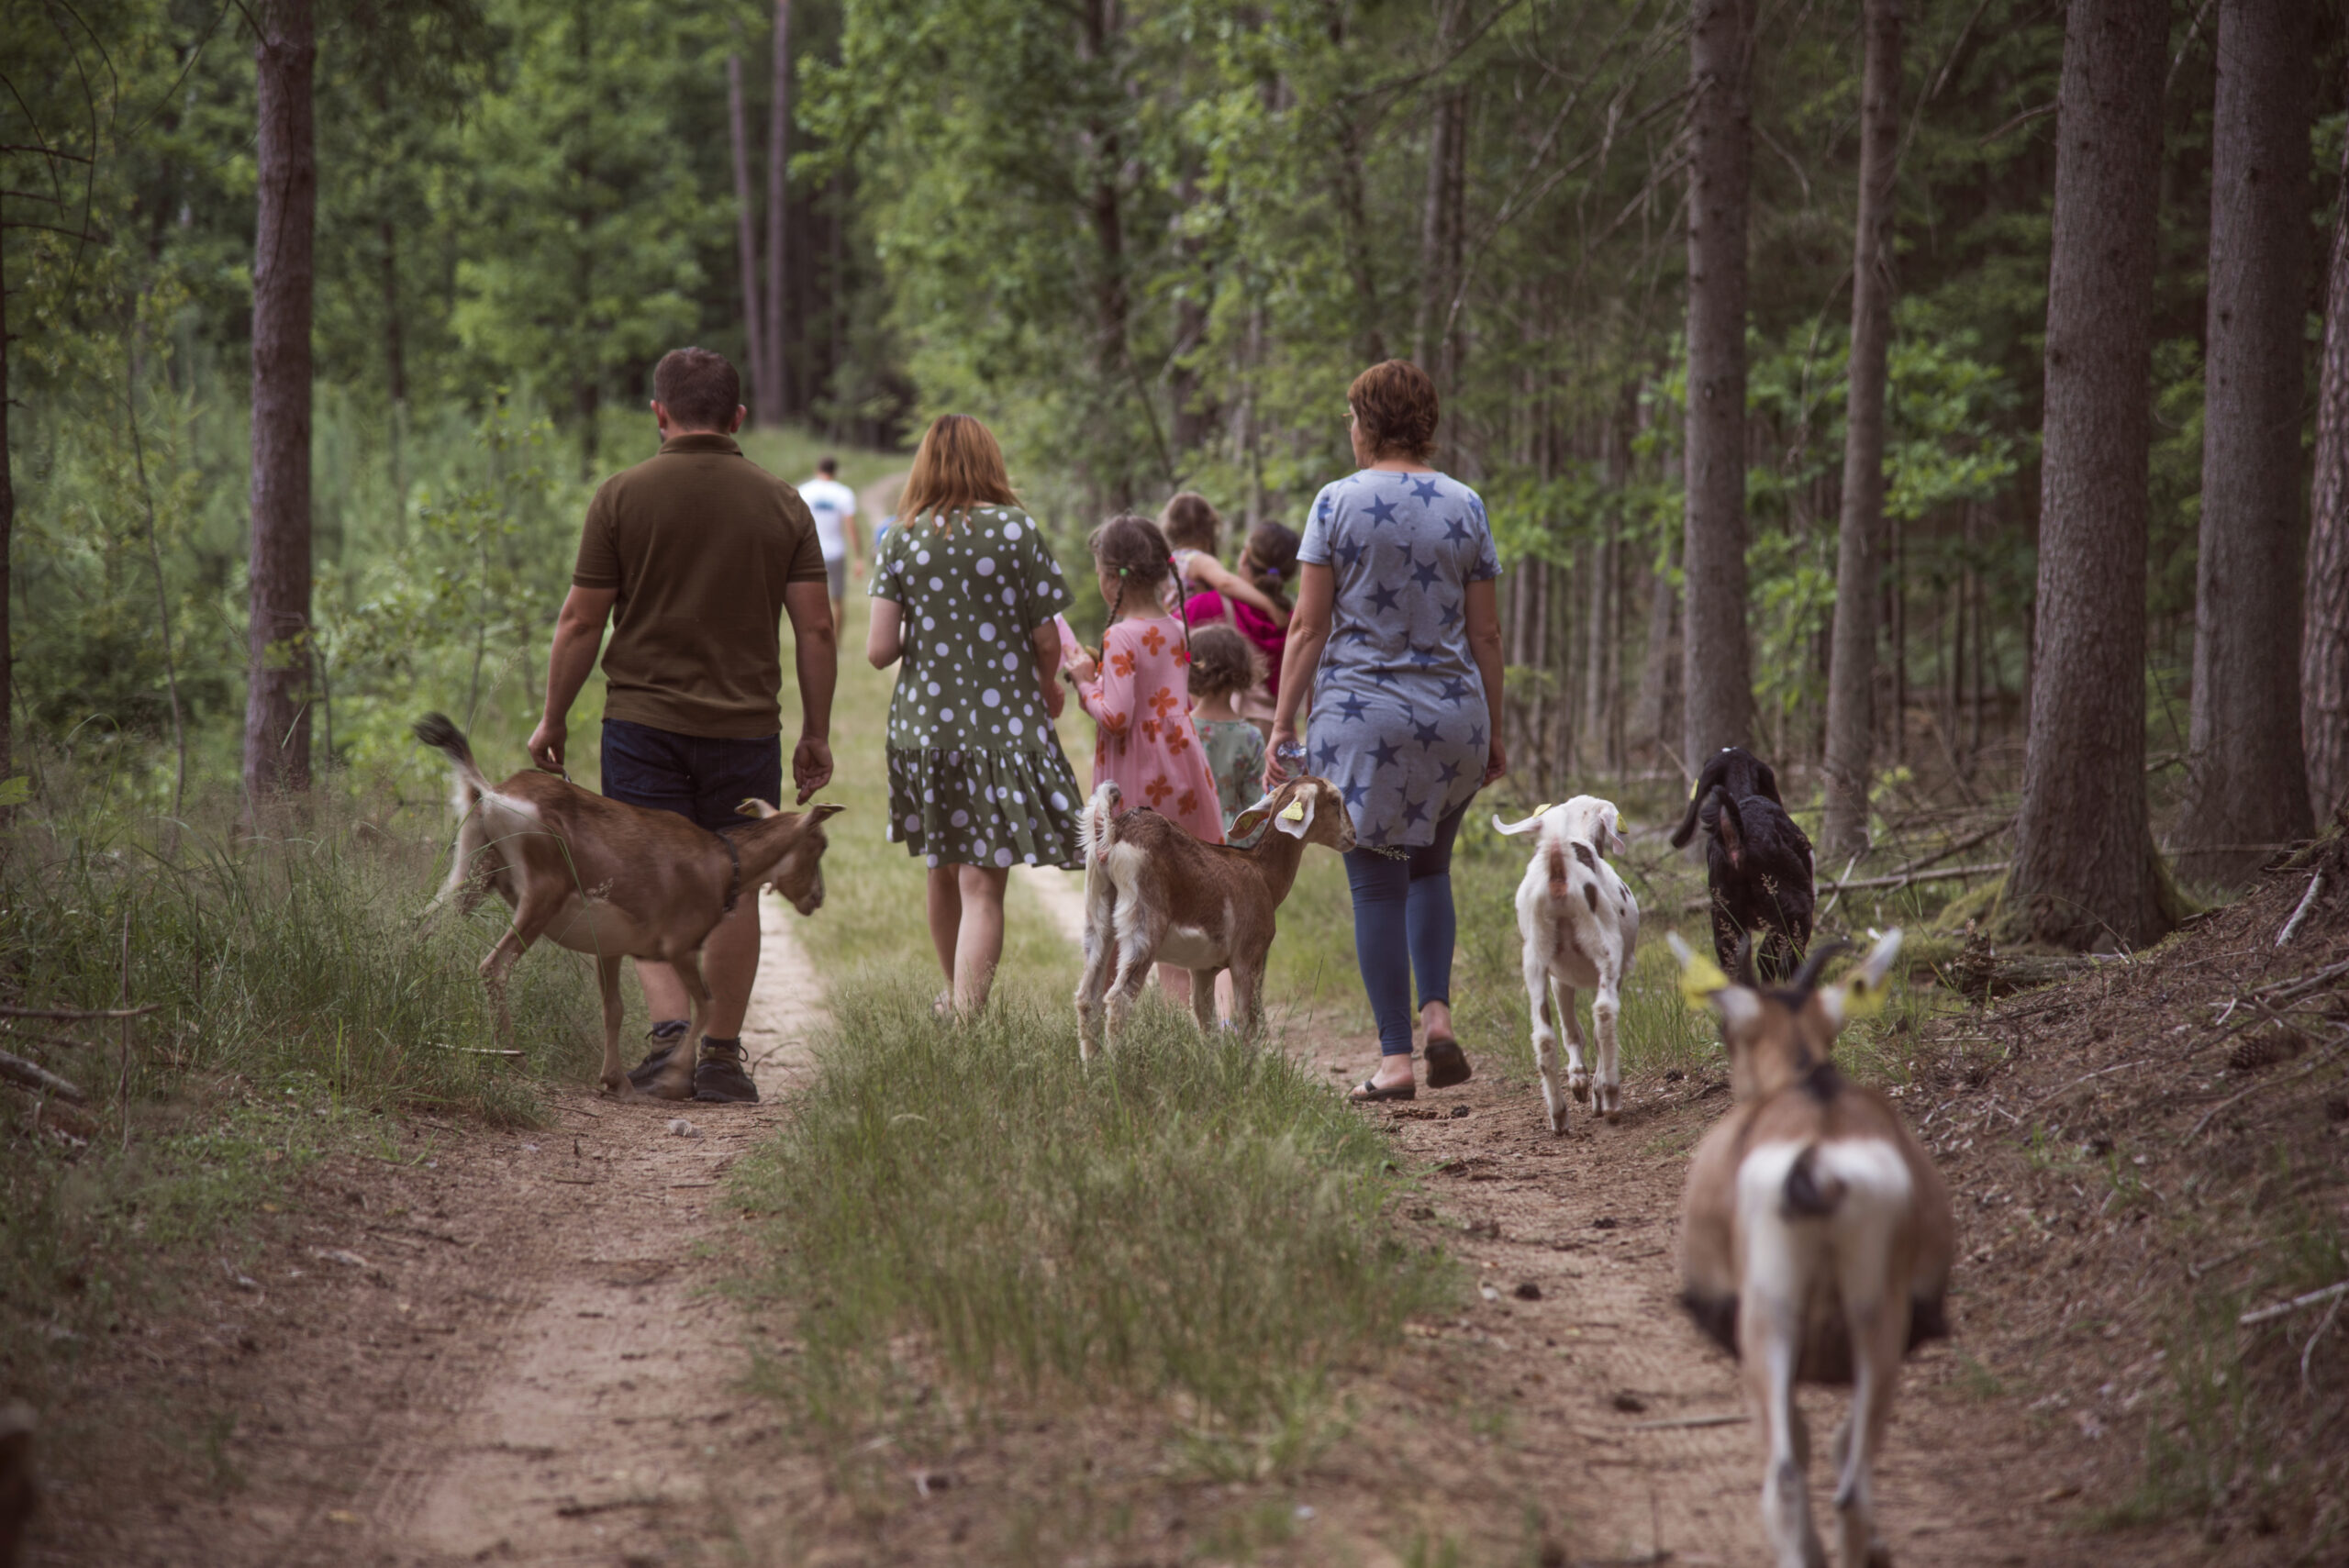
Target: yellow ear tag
[(1540, 809), (1862, 1000), (1293, 812), (1699, 978)]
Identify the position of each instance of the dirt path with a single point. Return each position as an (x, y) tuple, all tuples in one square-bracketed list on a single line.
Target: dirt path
[(593, 1439), (493, 1348)]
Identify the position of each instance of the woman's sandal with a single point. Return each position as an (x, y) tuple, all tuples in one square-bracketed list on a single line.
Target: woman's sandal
[(1447, 1063), (1367, 1092)]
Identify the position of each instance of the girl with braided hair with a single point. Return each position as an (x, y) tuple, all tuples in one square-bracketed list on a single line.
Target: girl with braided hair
[(1139, 691)]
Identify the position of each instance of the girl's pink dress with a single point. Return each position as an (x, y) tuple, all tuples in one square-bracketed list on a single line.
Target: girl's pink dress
[(1141, 703)]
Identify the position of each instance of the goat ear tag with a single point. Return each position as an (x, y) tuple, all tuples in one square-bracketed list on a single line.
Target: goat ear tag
[(1700, 978), (1293, 812), (1862, 999)]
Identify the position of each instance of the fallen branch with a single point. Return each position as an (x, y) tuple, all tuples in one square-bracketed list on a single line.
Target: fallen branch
[(2286, 1308), (474, 1049), (1727, 1418), (2300, 911), (17, 1070), (1907, 878), (68, 1013)]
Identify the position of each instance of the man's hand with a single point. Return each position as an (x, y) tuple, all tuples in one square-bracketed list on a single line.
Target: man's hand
[(546, 745), (811, 766)]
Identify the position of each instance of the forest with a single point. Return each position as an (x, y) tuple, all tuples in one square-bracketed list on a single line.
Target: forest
[(1150, 243), (1946, 400)]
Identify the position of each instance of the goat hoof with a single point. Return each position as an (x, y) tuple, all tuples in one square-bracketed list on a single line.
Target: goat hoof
[(1580, 1088), (1558, 1123)]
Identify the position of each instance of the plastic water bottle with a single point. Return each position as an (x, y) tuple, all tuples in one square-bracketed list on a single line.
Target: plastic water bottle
[(1290, 755)]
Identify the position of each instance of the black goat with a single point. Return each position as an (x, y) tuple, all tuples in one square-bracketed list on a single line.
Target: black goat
[(1758, 865)]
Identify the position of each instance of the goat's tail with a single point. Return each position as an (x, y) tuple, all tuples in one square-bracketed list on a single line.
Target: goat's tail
[(1809, 1191), (1096, 824), (439, 731)]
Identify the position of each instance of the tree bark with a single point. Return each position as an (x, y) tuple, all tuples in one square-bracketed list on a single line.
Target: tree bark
[(2246, 779), (7, 546), (277, 708), (772, 331), (1851, 668), (1717, 687), (1439, 217), (2324, 652), (766, 406), (2086, 871)]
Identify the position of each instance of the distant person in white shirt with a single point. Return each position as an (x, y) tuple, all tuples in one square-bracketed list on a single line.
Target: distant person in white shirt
[(834, 505)]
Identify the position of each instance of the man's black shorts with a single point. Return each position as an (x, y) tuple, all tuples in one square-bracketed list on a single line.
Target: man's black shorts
[(697, 777)]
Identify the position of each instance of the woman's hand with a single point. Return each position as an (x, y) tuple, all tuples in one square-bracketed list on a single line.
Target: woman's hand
[(1274, 774), (1495, 761)]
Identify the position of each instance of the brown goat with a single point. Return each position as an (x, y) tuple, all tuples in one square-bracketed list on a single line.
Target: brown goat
[(1154, 894), (1816, 1236), (614, 881)]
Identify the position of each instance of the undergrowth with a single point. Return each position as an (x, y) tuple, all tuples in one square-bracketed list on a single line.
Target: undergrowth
[(1186, 1219)]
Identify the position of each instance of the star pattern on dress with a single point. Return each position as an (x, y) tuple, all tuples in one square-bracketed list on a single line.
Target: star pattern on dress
[(1325, 758), (1457, 690), (1450, 613), (1382, 755), (1457, 529), (1351, 552), (1425, 489), (1382, 510), (1427, 733), (1415, 811), (1427, 573), (1354, 706), (1354, 793), (1385, 597), (1425, 658)]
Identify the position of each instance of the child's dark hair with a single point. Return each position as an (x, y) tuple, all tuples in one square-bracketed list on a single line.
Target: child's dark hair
[(1191, 523), (1224, 663), (1273, 549), (1133, 550)]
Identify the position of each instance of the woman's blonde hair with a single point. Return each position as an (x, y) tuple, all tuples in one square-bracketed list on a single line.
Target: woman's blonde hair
[(959, 466)]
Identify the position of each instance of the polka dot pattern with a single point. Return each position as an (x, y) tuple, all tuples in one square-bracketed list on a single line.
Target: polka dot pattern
[(976, 774)]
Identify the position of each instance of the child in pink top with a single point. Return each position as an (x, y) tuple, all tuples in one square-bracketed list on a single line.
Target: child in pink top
[(1139, 693)]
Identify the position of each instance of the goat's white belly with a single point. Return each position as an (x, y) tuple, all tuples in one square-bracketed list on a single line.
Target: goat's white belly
[(594, 927), (1187, 946)]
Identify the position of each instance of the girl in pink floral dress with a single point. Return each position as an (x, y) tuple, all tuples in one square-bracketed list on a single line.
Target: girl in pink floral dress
[(1140, 691)]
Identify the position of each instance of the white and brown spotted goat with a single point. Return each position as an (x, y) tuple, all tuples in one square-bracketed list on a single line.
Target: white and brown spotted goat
[(1815, 1235), (1580, 926), (1155, 895)]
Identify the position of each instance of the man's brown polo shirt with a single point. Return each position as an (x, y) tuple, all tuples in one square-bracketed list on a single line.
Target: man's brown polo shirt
[(699, 542)]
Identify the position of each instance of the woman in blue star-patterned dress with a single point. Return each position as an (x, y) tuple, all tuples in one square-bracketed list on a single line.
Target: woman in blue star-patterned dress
[(1396, 635)]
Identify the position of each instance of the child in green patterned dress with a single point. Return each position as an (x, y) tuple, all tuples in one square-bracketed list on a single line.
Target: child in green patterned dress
[(1225, 668)]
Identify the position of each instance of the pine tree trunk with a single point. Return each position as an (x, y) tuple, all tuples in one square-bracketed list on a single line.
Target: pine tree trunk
[(766, 406), (2324, 652), (1851, 671), (277, 708), (773, 329), (1718, 687), (7, 547), (2246, 780), (1447, 115), (2086, 873)]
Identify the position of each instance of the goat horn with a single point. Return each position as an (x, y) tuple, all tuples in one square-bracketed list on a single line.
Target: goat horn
[(1742, 967), (1808, 975)]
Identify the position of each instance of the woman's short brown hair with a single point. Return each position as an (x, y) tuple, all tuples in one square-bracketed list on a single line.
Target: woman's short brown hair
[(1395, 404), (1190, 522), (959, 466)]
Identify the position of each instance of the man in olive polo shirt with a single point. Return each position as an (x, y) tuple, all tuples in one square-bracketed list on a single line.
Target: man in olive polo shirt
[(701, 553)]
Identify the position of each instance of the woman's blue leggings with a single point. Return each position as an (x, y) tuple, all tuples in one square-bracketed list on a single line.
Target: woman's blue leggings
[(1404, 926)]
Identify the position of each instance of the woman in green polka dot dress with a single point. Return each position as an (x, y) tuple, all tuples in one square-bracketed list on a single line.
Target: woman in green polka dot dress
[(964, 592)]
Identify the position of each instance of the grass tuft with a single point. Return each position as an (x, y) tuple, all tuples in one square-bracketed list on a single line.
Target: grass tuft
[(1186, 1219)]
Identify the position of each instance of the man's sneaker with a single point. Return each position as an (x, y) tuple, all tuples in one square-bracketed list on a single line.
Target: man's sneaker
[(665, 1037), (718, 1077)]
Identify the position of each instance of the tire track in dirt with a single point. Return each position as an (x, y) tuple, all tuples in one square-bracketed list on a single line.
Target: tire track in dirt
[(593, 1437)]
